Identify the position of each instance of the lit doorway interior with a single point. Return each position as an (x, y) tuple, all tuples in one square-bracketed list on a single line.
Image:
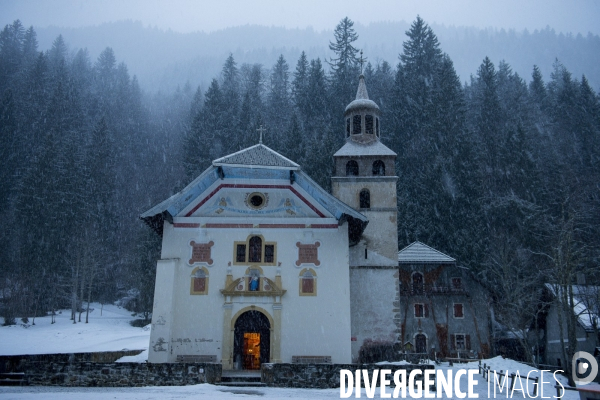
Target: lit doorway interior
[(251, 351), (251, 345)]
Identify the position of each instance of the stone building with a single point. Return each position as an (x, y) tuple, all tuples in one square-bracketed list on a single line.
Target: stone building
[(260, 264), (442, 311)]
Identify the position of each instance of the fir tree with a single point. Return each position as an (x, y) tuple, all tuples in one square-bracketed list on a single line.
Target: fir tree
[(279, 104), (300, 83), (345, 67)]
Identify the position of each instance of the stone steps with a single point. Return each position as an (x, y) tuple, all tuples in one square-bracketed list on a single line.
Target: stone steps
[(241, 379), (242, 384)]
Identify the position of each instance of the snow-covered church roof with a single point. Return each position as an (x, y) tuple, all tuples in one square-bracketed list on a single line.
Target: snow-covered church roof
[(257, 156), (418, 252), (256, 162)]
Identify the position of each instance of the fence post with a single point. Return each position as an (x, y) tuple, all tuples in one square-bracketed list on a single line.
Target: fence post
[(512, 381), (535, 386), (480, 368)]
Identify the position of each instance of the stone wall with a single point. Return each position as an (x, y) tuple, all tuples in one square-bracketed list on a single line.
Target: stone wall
[(323, 376), (16, 363), (120, 374)]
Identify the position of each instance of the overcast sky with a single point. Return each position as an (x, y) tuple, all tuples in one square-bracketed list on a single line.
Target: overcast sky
[(577, 16)]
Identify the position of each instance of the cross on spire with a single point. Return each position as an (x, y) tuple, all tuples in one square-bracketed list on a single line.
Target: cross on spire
[(361, 60), (261, 130)]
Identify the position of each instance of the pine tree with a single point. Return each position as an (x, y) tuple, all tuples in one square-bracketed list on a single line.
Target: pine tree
[(381, 85), (279, 104), (11, 43), (316, 114), (300, 83), (207, 127), (537, 88), (231, 98), (345, 67), (30, 46)]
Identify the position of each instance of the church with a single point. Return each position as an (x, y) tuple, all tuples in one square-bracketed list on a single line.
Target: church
[(260, 264)]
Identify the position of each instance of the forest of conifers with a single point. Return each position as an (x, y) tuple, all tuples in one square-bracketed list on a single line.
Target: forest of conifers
[(502, 172)]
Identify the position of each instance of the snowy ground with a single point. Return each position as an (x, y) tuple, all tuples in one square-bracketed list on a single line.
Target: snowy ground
[(107, 332), (112, 331)]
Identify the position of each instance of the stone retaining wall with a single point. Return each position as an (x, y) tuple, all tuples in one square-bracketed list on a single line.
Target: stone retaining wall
[(323, 375), (120, 374), (44, 373), (16, 363)]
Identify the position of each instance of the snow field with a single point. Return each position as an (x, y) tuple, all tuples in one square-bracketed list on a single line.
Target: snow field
[(110, 331)]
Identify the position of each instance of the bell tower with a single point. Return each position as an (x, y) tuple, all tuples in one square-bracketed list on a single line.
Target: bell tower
[(364, 178)]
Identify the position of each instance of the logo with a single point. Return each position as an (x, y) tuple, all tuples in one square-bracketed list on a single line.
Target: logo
[(585, 368)]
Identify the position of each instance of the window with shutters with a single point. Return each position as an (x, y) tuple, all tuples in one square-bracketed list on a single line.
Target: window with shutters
[(421, 310), (460, 341), (458, 310)]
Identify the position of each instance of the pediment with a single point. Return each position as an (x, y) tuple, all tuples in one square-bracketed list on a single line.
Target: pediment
[(259, 199)]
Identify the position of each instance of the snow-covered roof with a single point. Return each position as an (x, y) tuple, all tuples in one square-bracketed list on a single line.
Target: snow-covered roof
[(362, 98), (256, 162), (583, 297), (361, 103), (418, 252), (257, 156), (355, 149)]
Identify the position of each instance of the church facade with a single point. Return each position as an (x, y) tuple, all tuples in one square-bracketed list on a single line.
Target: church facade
[(260, 264)]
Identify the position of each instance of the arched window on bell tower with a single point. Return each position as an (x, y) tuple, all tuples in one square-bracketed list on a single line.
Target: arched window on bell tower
[(351, 168), (369, 124), (365, 198), (379, 168), (356, 125)]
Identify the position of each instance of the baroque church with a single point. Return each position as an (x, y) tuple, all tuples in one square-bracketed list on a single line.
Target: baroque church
[(260, 264)]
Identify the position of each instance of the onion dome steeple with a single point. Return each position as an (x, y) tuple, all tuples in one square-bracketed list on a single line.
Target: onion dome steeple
[(362, 116)]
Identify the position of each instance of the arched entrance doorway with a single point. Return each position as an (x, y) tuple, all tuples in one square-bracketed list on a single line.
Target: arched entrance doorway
[(251, 340)]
